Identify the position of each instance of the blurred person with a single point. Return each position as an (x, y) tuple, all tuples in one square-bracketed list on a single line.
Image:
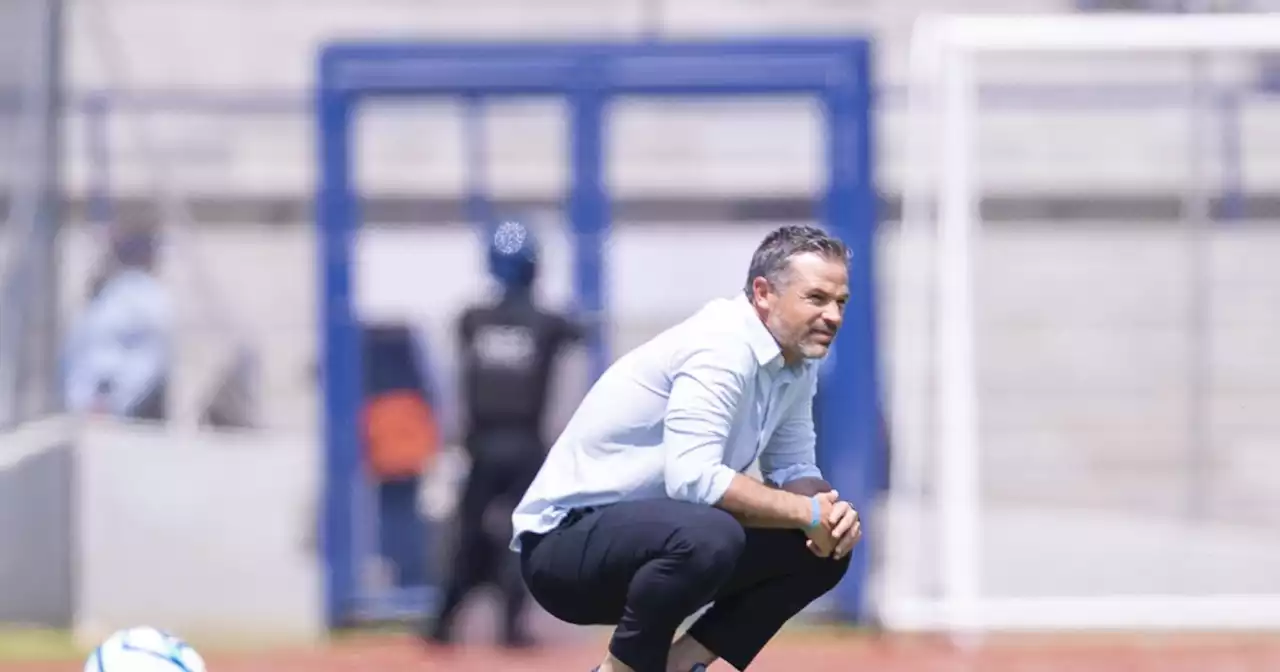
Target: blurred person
[(642, 513), (509, 348), (117, 355)]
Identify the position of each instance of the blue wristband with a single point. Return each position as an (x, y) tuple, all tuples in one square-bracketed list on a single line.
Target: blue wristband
[(816, 519)]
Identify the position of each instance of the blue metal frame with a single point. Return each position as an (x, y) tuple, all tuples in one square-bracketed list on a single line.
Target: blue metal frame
[(590, 75)]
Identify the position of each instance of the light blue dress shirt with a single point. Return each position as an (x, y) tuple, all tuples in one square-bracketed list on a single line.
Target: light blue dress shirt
[(678, 417), (120, 341)]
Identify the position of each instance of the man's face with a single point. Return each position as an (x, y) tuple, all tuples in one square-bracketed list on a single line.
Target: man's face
[(804, 312)]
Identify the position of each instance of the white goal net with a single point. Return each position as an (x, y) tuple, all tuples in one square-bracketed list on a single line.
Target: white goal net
[(1085, 327)]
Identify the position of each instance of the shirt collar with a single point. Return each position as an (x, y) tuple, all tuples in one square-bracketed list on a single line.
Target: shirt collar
[(764, 346), (762, 343)]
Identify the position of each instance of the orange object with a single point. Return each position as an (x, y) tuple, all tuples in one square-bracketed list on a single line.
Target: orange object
[(401, 435)]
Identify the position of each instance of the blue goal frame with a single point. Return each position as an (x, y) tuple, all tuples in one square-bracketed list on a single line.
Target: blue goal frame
[(589, 76)]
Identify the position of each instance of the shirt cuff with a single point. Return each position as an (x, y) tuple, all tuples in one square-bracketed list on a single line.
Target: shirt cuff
[(707, 488), (785, 475)]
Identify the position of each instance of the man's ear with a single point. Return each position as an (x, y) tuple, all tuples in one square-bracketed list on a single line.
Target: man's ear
[(759, 289)]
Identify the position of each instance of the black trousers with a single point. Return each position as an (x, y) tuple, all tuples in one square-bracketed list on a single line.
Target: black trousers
[(503, 467), (647, 566)]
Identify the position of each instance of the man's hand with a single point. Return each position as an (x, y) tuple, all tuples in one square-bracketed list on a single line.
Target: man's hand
[(847, 531), (821, 540), (838, 531)]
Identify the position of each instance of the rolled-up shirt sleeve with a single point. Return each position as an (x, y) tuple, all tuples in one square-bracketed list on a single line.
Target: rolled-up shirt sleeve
[(704, 393), (790, 453)]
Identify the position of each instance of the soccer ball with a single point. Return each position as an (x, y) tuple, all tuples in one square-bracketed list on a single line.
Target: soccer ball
[(144, 649)]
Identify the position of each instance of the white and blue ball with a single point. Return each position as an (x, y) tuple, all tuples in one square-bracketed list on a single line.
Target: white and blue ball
[(144, 649)]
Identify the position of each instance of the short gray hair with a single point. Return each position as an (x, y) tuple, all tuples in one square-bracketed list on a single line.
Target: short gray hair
[(772, 259)]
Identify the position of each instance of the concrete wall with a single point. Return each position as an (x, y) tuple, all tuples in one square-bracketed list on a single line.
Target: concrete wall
[(209, 535), (105, 525), (37, 538)]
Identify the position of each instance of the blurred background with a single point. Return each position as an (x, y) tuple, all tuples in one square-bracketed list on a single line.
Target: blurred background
[(167, 380)]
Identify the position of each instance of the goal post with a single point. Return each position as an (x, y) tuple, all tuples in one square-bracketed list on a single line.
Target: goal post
[(938, 556)]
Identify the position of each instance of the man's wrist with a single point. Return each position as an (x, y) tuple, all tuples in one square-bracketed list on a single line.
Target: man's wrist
[(815, 514), (805, 512)]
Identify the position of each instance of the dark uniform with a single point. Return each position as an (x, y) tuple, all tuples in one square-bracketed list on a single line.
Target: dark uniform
[(508, 351)]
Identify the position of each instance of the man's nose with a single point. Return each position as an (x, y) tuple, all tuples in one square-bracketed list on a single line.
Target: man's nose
[(832, 315)]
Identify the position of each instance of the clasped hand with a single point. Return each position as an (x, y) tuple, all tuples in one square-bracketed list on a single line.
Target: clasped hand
[(839, 529)]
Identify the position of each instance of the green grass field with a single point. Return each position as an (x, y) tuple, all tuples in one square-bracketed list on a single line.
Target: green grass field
[(35, 644)]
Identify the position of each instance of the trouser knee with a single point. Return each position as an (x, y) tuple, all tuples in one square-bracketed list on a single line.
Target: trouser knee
[(820, 575), (710, 542)]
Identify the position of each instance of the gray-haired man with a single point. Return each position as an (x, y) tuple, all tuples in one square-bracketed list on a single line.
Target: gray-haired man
[(641, 514)]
